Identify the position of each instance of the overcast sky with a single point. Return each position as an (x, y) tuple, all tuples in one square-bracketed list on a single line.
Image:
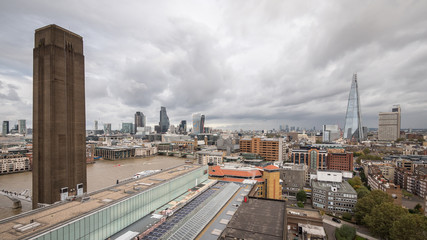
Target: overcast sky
[(244, 64)]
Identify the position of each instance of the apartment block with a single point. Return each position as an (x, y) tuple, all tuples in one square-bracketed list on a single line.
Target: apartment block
[(271, 149)]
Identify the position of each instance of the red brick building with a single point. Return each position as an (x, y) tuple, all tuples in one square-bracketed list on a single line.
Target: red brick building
[(340, 161)]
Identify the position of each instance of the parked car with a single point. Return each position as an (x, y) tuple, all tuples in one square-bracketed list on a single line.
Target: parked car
[(336, 220)]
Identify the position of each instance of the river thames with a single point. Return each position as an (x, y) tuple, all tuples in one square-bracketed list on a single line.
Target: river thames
[(101, 174)]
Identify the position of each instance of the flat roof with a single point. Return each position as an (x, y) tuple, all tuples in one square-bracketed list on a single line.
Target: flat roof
[(258, 219), (342, 187), (303, 212), (56, 214)]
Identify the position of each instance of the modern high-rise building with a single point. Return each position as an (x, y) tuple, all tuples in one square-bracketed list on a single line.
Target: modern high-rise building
[(389, 124), (330, 133), (139, 120), (197, 117), (5, 129), (96, 125), (22, 126), (353, 120), (202, 124), (164, 120), (107, 128), (59, 129), (127, 128), (183, 127)]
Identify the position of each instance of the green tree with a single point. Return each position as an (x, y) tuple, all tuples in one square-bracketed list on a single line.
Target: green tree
[(410, 227), (355, 182), (418, 208), (358, 161), (301, 196), (382, 217), (362, 191), (345, 232), (363, 177), (366, 151), (365, 205), (347, 216), (300, 204)]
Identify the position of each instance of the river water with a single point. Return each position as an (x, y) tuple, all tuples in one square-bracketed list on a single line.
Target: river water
[(102, 174)]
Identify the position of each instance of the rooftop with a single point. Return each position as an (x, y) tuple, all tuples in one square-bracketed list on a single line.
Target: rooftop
[(257, 219), (54, 215), (343, 187)]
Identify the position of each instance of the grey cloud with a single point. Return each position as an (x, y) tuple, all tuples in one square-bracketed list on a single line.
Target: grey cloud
[(244, 64)]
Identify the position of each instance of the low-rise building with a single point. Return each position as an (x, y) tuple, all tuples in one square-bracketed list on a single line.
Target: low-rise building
[(257, 218), (304, 224), (332, 194), (314, 158), (342, 161), (377, 182), (266, 179), (413, 182), (204, 157), (294, 177)]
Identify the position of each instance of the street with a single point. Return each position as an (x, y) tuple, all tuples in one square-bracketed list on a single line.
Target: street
[(361, 231)]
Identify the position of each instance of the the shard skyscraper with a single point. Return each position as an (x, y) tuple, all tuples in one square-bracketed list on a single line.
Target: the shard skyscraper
[(353, 125)]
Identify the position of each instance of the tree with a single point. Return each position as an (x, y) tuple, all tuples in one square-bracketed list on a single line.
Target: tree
[(347, 216), (362, 191), (300, 204), (418, 208), (410, 227), (358, 161), (382, 217), (366, 151), (363, 177), (365, 205), (355, 182), (345, 232), (301, 196)]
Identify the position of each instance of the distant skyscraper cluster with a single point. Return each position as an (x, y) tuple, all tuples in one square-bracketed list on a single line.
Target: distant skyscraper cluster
[(19, 128), (198, 123), (353, 130)]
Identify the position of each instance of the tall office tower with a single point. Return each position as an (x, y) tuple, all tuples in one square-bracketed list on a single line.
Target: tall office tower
[(353, 125), (164, 120), (96, 125), (22, 126), (139, 120), (107, 128), (5, 129), (330, 133), (196, 123), (183, 127), (59, 142), (389, 124), (202, 124)]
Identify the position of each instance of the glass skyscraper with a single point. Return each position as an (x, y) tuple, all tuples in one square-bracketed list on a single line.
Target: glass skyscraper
[(196, 123), (353, 124), (164, 120)]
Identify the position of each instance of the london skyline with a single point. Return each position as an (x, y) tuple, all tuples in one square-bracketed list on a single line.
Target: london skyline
[(246, 65)]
